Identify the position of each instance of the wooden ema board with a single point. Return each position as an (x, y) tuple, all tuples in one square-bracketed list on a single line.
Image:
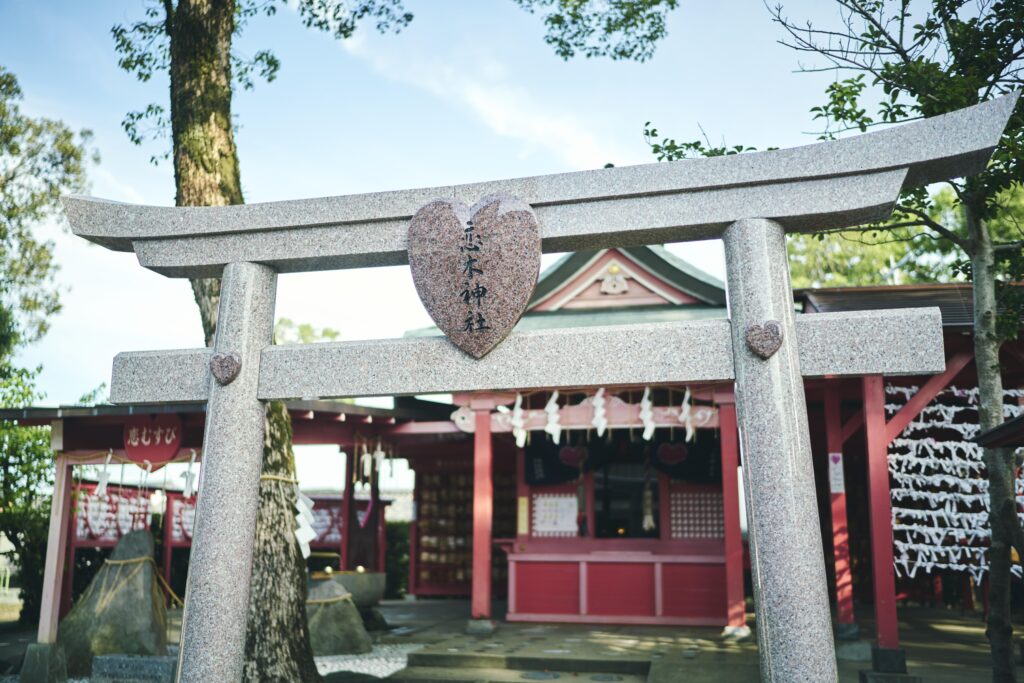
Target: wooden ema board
[(101, 521), (441, 536)]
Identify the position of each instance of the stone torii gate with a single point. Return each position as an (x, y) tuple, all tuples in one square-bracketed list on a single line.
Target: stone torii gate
[(749, 200)]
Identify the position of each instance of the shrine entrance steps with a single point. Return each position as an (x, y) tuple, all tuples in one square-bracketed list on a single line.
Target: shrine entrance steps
[(543, 652)]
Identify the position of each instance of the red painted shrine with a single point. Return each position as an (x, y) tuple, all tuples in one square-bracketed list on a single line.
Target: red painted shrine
[(609, 525), (602, 505)]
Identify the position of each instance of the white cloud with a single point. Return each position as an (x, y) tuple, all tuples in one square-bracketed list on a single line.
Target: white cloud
[(107, 185), (480, 84)]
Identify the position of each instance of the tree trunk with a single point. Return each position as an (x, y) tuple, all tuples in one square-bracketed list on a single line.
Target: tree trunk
[(277, 603), (999, 462), (206, 173)]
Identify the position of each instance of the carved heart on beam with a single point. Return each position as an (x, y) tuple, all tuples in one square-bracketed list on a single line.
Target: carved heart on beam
[(475, 268), (764, 340), (225, 367)]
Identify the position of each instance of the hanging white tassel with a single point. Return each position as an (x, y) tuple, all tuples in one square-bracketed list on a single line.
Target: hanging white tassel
[(553, 427), (647, 414), (304, 532), (686, 415), (367, 461), (189, 477), (145, 478), (600, 420), (101, 486), (648, 506), (518, 422), (378, 456)]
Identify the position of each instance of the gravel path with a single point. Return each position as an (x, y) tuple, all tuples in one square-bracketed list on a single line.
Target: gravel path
[(383, 661)]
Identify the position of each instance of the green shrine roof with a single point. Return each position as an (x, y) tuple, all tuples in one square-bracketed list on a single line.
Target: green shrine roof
[(659, 262), (544, 320)]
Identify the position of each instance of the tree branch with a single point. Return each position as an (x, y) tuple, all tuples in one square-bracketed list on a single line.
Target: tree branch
[(867, 16), (927, 221), (1008, 246)]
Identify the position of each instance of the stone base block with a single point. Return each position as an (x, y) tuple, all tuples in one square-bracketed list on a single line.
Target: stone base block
[(738, 634), (481, 627), (133, 669), (373, 620), (847, 631), (853, 651), (889, 660), (876, 677), (44, 663)]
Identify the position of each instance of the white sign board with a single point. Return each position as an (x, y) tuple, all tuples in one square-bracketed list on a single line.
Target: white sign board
[(835, 473), (555, 515)]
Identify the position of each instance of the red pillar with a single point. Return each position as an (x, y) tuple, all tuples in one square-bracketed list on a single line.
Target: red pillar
[(414, 545), (378, 511), (346, 506), (67, 588), (522, 500), (483, 505), (382, 541), (881, 512), (56, 552), (664, 507), (736, 608), (169, 502), (840, 530), (588, 483)]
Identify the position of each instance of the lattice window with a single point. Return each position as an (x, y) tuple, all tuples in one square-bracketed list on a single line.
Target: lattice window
[(696, 514)]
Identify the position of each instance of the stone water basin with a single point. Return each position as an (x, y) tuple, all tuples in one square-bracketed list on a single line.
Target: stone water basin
[(367, 588)]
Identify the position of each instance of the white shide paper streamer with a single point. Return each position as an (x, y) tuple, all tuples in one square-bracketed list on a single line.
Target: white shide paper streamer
[(939, 486)]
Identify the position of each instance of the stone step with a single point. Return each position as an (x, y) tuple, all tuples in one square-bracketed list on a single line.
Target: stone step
[(431, 674), (583, 663)]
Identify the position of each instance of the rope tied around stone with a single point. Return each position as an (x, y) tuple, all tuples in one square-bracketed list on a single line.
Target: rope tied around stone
[(159, 578), (329, 601)]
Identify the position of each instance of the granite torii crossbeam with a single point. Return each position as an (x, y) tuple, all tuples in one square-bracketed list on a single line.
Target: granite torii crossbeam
[(748, 200)]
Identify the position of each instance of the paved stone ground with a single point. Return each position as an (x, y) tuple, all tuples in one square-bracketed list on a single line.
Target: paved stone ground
[(942, 646), (428, 643), (14, 638)]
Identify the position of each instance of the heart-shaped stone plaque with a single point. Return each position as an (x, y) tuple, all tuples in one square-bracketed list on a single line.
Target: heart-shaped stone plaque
[(764, 339), (573, 456), (672, 453), (225, 367), (475, 268)]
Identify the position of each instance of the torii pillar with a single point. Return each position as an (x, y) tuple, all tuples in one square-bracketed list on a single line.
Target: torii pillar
[(794, 634)]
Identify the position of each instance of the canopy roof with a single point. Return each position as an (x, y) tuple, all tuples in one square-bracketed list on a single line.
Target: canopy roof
[(955, 300), (406, 409), (1010, 433)]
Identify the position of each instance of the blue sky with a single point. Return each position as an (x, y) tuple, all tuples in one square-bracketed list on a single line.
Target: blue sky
[(469, 91)]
